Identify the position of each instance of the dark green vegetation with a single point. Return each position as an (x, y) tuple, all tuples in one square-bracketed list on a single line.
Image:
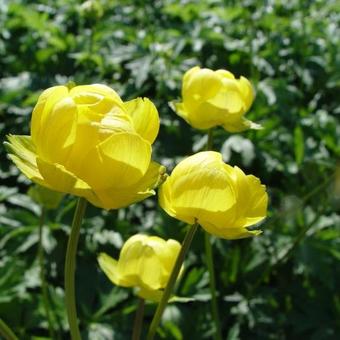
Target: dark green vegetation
[(281, 285)]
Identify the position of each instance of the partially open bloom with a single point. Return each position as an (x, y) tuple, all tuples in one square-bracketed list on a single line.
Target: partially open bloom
[(213, 98), (88, 142), (145, 262), (221, 198)]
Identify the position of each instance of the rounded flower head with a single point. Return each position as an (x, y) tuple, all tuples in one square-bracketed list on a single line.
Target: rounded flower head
[(221, 198), (145, 262), (88, 142), (213, 98)]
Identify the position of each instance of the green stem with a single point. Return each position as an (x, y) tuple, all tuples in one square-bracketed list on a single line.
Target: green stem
[(210, 140), (212, 284), (70, 267), (137, 326), (172, 280), (44, 287), (210, 265), (6, 332)]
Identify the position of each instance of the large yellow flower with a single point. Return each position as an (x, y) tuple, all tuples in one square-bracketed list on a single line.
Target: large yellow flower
[(145, 262), (213, 98), (221, 198), (88, 142)]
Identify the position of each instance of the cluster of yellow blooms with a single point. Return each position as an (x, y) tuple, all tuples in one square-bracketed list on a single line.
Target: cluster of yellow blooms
[(86, 141)]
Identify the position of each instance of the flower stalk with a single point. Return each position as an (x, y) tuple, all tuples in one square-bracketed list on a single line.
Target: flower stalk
[(137, 326), (70, 266), (6, 332), (210, 265), (172, 280)]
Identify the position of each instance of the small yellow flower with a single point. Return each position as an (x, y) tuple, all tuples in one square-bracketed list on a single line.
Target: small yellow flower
[(213, 98), (145, 262), (221, 198), (88, 142)]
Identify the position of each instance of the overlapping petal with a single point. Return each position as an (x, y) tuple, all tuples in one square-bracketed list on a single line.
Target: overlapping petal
[(144, 116)]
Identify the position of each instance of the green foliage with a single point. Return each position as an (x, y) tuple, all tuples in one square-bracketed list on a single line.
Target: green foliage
[(281, 285)]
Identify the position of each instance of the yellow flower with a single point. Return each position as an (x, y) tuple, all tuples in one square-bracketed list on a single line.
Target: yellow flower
[(145, 262), (88, 142), (221, 198), (213, 98)]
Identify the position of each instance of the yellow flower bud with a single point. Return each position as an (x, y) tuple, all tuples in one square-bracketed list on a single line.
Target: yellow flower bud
[(86, 141), (145, 262), (213, 98), (221, 198)]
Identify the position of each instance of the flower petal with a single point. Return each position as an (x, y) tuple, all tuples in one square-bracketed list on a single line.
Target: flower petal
[(110, 267), (43, 107), (145, 117), (227, 232), (100, 98), (139, 264), (200, 85), (114, 198), (201, 183), (239, 124), (60, 179), (118, 162), (22, 152), (58, 134)]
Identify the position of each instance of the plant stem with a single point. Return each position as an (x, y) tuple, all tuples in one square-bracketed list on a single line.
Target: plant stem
[(137, 326), (70, 266), (210, 140), (172, 280), (44, 287), (6, 332), (210, 265), (212, 284)]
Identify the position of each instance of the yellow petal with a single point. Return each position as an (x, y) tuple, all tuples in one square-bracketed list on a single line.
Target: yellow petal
[(239, 124), (205, 116), (45, 103), (99, 98), (114, 198), (100, 89), (150, 294), (199, 86), (58, 134), (59, 179), (228, 100), (145, 117), (225, 74), (110, 267), (22, 152), (199, 184), (119, 162), (252, 197), (227, 232), (247, 91), (165, 200), (139, 264), (179, 109)]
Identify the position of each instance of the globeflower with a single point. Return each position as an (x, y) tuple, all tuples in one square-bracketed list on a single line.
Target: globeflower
[(145, 262), (86, 141), (221, 198), (213, 98)]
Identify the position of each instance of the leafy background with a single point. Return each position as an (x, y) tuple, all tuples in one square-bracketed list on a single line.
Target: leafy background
[(281, 285)]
